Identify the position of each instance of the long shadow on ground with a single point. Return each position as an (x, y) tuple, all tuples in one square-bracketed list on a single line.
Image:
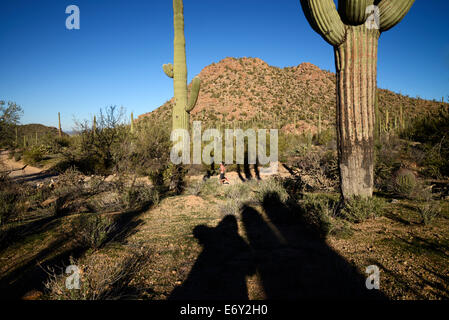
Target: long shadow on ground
[(31, 275), (220, 271), (288, 251)]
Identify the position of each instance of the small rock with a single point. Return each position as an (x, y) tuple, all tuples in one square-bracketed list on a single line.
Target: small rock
[(48, 201), (32, 295)]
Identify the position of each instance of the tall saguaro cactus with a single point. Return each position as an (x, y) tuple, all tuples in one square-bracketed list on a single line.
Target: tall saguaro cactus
[(59, 128), (354, 30), (178, 71), (132, 122)]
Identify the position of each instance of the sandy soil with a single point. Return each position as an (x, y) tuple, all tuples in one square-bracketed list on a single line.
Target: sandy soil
[(28, 174)]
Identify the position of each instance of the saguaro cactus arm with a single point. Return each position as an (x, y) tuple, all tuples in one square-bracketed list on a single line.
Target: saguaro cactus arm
[(353, 12), (194, 92), (324, 19), (168, 69), (392, 12)]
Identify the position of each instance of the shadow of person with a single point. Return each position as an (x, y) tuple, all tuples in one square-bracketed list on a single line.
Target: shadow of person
[(293, 259), (220, 271)]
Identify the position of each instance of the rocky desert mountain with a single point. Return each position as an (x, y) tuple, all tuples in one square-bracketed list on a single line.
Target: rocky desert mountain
[(248, 90)]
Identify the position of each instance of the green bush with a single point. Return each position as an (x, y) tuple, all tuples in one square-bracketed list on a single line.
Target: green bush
[(325, 137), (318, 212), (429, 130), (429, 211), (8, 205), (101, 277), (138, 196), (33, 155), (17, 156), (175, 177), (10, 200), (272, 186), (91, 230), (359, 209)]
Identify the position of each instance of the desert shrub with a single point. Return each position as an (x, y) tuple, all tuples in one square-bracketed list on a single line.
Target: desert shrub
[(318, 212), (157, 177), (140, 195), (8, 205), (236, 196), (209, 187), (242, 191), (17, 156), (268, 187), (55, 144), (359, 209), (194, 188), (92, 230), (231, 207), (428, 211), (11, 204), (387, 160), (314, 171), (101, 277), (175, 177), (96, 151), (428, 130), (325, 137), (69, 187), (34, 155)]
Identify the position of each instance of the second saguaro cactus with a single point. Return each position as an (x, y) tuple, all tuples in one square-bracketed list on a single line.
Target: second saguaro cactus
[(132, 122), (178, 71), (59, 128), (354, 30)]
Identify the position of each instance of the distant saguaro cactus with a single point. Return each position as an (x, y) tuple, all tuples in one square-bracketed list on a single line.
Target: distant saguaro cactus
[(354, 30), (59, 120), (178, 71), (132, 122), (94, 126)]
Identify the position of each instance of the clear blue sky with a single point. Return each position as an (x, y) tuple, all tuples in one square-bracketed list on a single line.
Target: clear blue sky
[(116, 56)]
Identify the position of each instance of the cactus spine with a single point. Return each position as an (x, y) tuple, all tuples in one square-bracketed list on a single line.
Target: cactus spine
[(178, 71), (355, 49), (59, 120)]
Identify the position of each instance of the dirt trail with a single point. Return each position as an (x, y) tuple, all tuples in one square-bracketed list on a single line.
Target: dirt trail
[(29, 173)]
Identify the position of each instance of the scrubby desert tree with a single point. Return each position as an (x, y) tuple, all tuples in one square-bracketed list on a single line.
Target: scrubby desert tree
[(354, 30), (10, 114)]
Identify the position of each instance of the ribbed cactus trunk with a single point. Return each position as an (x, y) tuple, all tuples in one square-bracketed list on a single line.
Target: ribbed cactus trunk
[(356, 65), (178, 71), (354, 30), (180, 115)]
